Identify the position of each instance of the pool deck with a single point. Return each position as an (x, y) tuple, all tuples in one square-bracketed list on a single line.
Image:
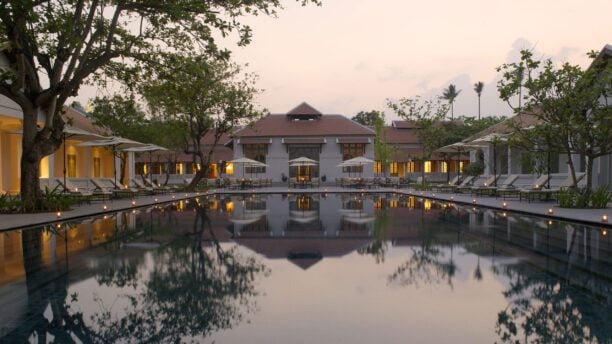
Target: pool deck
[(590, 216)]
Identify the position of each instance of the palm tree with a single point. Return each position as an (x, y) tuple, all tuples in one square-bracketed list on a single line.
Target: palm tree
[(450, 94), (478, 89)]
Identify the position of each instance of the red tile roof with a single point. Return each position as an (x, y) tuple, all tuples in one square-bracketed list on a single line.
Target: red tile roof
[(399, 136), (325, 125), (523, 120), (304, 109)]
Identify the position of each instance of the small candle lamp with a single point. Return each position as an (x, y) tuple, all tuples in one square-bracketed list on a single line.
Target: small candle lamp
[(474, 201), (58, 214), (104, 207), (504, 205), (604, 218), (133, 203), (550, 211)]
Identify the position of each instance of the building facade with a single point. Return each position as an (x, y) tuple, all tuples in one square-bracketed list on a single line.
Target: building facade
[(303, 132)]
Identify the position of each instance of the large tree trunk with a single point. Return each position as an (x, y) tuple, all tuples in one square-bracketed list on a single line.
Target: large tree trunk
[(36, 145)]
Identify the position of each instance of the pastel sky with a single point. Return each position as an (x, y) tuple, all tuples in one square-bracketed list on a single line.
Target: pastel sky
[(351, 55)]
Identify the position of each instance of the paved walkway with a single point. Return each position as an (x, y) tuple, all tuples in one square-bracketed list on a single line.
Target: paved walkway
[(592, 216)]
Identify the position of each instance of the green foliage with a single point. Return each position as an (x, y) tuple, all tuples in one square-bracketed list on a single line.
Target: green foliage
[(381, 149), (9, 204), (571, 106), (598, 198), (369, 118), (450, 94), (474, 169), (426, 114), (52, 200)]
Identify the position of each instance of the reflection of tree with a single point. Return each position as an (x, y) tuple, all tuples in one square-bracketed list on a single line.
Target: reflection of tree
[(191, 291), (542, 309), (426, 264), (378, 247)]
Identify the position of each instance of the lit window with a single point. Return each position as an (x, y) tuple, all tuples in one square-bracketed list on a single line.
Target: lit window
[(410, 167), (229, 168), (444, 166), (427, 166), (393, 168), (460, 166), (179, 168), (378, 167)]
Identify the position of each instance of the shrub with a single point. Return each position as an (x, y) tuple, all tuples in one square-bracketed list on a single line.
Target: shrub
[(474, 169), (566, 198), (600, 197)]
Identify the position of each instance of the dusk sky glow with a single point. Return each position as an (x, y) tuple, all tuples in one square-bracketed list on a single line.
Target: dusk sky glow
[(351, 55)]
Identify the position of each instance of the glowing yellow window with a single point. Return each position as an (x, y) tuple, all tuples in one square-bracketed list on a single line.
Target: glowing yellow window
[(393, 168), (378, 167), (460, 166), (427, 166), (444, 166), (179, 168), (410, 167), (229, 168)]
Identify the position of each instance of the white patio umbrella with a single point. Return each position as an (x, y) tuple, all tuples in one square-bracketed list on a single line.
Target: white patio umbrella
[(491, 139), (150, 148), (73, 133), (246, 162), (116, 143), (358, 161), (457, 147), (302, 161)]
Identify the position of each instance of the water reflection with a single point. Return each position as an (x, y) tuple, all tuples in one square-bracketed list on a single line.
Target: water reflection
[(196, 269)]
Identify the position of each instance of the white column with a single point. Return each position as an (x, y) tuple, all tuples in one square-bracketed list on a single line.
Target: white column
[(131, 161)]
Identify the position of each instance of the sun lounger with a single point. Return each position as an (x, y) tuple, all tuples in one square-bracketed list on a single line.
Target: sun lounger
[(547, 193), (537, 184), (466, 185), (82, 190), (107, 185), (490, 189), (447, 186)]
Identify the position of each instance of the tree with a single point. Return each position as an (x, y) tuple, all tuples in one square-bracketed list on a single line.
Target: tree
[(382, 150), (571, 106), (53, 46), (478, 87), (207, 97), (450, 94), (369, 118), (428, 116)]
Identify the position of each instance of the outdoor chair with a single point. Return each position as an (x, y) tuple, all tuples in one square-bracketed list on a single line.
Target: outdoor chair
[(315, 182), (467, 184), (453, 182), (156, 186), (537, 184), (139, 185), (547, 193), (107, 185), (83, 190), (486, 188)]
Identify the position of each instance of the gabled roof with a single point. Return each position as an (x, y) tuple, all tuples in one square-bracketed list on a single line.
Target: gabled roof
[(285, 125), (404, 124), (304, 109), (393, 135), (523, 120)]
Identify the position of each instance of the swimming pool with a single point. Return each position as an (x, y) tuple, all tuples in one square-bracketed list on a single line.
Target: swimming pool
[(296, 268)]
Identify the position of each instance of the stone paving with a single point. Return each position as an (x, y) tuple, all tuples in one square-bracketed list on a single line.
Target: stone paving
[(591, 216)]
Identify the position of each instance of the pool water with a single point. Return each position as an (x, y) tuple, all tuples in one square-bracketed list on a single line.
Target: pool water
[(322, 268)]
